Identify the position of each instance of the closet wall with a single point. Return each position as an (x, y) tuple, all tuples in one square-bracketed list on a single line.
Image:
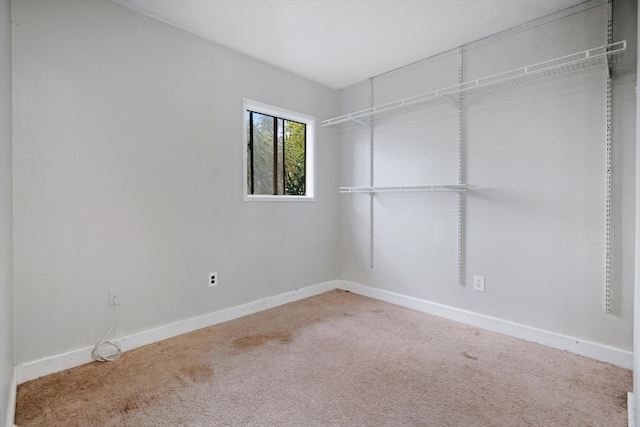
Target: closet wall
[(535, 227)]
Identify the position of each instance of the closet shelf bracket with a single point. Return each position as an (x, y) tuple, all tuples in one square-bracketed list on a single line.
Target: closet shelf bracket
[(363, 123), (453, 100)]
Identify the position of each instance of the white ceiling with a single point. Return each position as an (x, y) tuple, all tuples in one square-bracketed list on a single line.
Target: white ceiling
[(340, 42)]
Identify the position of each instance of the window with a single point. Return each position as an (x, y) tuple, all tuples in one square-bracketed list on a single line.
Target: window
[(278, 155)]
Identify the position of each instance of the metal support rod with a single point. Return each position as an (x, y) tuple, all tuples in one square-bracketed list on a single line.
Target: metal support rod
[(460, 244), (607, 289), (371, 201), (607, 266)]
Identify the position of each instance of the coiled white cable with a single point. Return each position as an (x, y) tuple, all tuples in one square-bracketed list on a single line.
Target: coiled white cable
[(115, 354)]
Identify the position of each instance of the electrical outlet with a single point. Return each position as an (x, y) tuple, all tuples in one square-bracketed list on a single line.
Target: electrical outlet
[(478, 283), (213, 279), (114, 293)]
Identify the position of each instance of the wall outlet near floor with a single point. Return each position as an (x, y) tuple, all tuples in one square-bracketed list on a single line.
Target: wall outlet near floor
[(213, 279), (478, 283), (114, 293)]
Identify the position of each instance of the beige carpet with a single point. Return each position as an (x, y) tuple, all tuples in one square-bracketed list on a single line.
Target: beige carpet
[(337, 359)]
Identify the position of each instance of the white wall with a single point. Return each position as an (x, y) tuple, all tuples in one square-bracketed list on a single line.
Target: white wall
[(128, 174), (6, 208), (535, 229)]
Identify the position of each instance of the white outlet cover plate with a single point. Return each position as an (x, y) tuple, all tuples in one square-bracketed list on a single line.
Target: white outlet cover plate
[(213, 279), (478, 283), (114, 293)]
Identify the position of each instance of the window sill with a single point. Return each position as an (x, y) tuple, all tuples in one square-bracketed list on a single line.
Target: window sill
[(267, 198)]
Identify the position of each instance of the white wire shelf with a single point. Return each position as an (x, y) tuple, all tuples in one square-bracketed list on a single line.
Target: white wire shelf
[(454, 188), (600, 56)]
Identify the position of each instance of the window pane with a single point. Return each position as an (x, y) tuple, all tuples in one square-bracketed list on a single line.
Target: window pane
[(262, 153), (294, 161), (276, 155)]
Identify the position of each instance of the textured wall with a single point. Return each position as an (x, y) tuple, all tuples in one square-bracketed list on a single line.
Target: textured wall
[(128, 174)]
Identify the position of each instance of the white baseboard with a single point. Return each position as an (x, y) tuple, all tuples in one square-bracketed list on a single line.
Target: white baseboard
[(631, 410), (11, 402), (60, 362), (597, 351), (49, 365)]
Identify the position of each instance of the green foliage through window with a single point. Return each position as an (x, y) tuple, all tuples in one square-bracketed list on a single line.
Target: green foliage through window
[(275, 155)]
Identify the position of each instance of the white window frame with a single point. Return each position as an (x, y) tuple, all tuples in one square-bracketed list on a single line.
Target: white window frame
[(310, 147)]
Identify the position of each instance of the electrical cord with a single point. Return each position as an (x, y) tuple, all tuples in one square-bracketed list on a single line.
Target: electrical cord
[(115, 354)]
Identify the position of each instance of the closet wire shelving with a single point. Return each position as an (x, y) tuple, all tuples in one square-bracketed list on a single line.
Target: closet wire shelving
[(603, 56), (408, 189), (579, 61)]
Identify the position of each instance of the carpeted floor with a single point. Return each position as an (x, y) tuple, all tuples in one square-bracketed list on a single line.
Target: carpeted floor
[(337, 359)]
